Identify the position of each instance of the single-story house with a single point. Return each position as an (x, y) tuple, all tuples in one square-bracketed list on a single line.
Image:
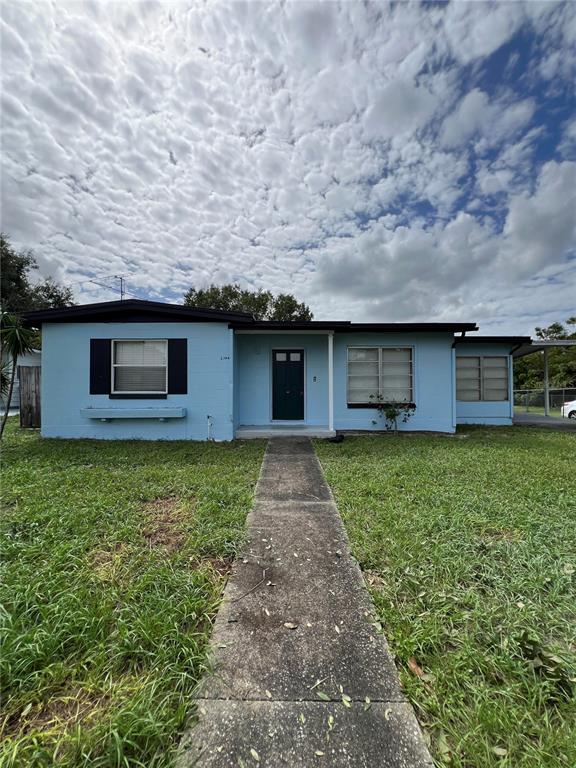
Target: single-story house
[(147, 370)]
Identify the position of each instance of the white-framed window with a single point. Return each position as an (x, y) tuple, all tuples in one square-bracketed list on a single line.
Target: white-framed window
[(380, 374), (482, 378), (140, 366)]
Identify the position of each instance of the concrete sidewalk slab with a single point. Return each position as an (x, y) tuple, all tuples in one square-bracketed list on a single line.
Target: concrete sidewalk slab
[(300, 735), (296, 612)]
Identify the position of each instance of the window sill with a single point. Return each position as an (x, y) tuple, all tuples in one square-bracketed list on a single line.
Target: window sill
[(142, 396), (374, 406)]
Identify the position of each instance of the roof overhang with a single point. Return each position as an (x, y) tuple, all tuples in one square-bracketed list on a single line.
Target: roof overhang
[(541, 345), (343, 326), (133, 311)]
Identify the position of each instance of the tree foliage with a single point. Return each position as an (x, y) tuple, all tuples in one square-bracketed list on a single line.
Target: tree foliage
[(262, 304), (529, 370), (18, 291)]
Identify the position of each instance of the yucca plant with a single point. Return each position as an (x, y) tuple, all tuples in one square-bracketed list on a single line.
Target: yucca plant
[(15, 340)]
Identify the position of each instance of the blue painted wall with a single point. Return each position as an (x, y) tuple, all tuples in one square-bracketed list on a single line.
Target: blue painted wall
[(230, 379), (66, 386), (433, 370), (497, 413), (433, 381), (254, 376)]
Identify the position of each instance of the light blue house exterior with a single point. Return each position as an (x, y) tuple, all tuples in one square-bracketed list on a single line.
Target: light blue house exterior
[(151, 371)]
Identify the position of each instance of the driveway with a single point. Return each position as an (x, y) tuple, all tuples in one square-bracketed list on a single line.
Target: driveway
[(551, 422)]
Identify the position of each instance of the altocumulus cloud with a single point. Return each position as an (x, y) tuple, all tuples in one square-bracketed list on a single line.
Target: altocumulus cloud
[(381, 161)]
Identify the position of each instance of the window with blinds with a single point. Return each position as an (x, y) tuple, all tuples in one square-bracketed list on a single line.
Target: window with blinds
[(482, 378), (140, 366), (380, 374)]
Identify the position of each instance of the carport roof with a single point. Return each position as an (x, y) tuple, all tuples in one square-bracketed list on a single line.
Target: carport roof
[(540, 345)]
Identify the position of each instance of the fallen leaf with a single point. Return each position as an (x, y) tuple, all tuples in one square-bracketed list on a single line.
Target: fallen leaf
[(387, 713), (367, 704), (337, 628), (323, 696), (302, 719), (290, 625), (318, 753), (268, 694), (414, 667), (500, 751), (330, 721), (255, 755)]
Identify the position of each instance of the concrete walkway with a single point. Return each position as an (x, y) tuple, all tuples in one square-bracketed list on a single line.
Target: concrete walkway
[(301, 675)]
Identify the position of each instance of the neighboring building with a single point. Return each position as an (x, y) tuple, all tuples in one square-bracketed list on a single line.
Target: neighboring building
[(30, 359), (146, 370)]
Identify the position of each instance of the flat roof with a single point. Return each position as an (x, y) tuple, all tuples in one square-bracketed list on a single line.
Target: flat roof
[(345, 326), (541, 344)]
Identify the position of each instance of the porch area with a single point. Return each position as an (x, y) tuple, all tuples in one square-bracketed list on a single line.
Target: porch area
[(283, 430), (283, 384)]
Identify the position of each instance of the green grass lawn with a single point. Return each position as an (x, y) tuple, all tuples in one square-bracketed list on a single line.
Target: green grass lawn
[(468, 545), (113, 556)]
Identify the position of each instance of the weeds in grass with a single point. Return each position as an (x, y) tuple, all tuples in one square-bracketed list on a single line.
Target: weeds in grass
[(469, 550), (114, 558)]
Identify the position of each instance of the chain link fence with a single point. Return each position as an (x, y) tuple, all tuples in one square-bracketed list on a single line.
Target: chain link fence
[(532, 400)]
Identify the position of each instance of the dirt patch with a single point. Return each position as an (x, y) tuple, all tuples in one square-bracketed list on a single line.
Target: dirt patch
[(163, 525), (104, 562), (222, 565), (498, 534), (373, 580), (61, 712)]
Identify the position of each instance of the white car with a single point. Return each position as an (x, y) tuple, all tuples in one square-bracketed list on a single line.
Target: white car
[(569, 410)]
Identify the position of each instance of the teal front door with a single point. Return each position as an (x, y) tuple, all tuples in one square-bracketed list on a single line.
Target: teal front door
[(288, 384)]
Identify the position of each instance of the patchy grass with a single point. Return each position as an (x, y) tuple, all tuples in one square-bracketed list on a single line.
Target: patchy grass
[(114, 559), (469, 550)]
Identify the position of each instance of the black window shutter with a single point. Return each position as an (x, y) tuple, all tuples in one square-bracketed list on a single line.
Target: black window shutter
[(100, 366), (177, 366)]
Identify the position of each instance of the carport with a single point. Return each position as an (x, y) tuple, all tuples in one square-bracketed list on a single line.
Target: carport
[(543, 346)]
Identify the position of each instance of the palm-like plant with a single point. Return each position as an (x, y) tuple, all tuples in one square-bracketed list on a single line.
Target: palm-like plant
[(15, 340)]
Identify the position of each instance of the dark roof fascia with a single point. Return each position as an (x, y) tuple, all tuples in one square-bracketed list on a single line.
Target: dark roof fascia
[(512, 340), (132, 311), (275, 325), (414, 327), (344, 326)]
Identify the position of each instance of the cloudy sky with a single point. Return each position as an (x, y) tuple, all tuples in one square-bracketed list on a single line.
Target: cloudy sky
[(381, 161)]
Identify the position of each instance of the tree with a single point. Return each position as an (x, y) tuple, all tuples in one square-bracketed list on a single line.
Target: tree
[(529, 370), (262, 304), (17, 292), (15, 340)]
